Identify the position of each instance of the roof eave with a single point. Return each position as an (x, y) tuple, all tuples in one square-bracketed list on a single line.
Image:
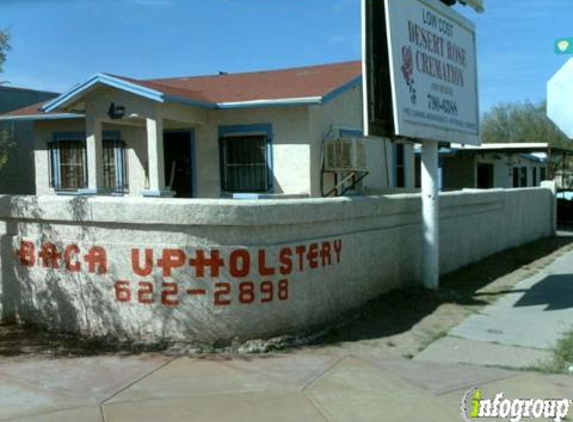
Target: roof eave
[(101, 78), (282, 102), (342, 89), (189, 102), (290, 102), (30, 117)]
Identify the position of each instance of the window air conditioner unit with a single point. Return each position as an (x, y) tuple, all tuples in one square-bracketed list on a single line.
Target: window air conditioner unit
[(345, 155)]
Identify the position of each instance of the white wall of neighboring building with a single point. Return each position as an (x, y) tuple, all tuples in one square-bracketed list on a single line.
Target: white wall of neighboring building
[(504, 165), (460, 171)]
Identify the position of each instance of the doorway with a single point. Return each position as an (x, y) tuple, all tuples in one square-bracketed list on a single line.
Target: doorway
[(484, 176), (178, 158)]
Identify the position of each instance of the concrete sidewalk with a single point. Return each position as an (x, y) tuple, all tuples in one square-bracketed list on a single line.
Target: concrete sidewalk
[(520, 328), (265, 388)]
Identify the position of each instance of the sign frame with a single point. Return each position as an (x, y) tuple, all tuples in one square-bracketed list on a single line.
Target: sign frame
[(415, 129)]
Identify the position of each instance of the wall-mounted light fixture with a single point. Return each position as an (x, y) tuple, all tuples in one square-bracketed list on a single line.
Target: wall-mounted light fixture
[(116, 112)]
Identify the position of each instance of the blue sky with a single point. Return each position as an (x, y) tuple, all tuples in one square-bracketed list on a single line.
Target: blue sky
[(58, 43)]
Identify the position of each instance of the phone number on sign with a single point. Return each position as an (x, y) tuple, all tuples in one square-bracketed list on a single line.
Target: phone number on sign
[(224, 293)]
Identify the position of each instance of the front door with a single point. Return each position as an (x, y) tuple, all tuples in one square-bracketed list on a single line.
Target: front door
[(178, 156), (484, 176)]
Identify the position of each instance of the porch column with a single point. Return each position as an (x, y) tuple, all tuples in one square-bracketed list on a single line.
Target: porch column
[(156, 170), (94, 150)]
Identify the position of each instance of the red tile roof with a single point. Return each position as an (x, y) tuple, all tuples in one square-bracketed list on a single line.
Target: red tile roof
[(27, 111), (301, 82)]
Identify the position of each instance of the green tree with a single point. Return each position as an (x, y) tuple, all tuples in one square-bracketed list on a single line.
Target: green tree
[(521, 122), (6, 141), (4, 46)]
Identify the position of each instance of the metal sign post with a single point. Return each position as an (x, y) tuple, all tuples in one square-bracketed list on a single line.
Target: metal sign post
[(430, 215), (420, 82)]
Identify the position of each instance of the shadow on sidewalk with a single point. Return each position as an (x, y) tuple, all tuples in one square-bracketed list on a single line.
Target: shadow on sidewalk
[(398, 311), (555, 292)]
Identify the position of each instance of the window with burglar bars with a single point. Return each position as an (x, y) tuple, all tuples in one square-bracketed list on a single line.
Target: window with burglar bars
[(68, 164), (245, 164), (71, 163), (114, 165)]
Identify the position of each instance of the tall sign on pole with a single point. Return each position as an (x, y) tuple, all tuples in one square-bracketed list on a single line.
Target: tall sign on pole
[(420, 83)]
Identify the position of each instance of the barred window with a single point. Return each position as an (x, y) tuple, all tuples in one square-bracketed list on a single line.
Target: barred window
[(114, 165), (69, 168), (245, 164), (68, 163)]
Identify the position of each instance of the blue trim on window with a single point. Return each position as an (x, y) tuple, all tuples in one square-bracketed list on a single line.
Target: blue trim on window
[(68, 136), (111, 135), (351, 133), (53, 157), (264, 128), (120, 166), (58, 177), (119, 154)]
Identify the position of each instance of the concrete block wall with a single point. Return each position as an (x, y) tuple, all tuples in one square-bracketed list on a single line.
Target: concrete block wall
[(218, 270)]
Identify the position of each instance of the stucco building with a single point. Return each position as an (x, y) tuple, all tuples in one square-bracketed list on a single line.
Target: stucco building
[(228, 135), (495, 165)]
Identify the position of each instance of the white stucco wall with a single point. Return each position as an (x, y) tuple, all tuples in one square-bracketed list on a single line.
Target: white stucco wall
[(503, 173), (346, 110), (290, 143), (291, 149), (136, 151), (335, 254)]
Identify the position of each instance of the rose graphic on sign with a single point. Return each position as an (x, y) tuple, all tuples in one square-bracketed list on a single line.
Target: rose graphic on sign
[(408, 71)]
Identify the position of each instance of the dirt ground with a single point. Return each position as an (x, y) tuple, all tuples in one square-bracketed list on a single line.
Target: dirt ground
[(398, 324)]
